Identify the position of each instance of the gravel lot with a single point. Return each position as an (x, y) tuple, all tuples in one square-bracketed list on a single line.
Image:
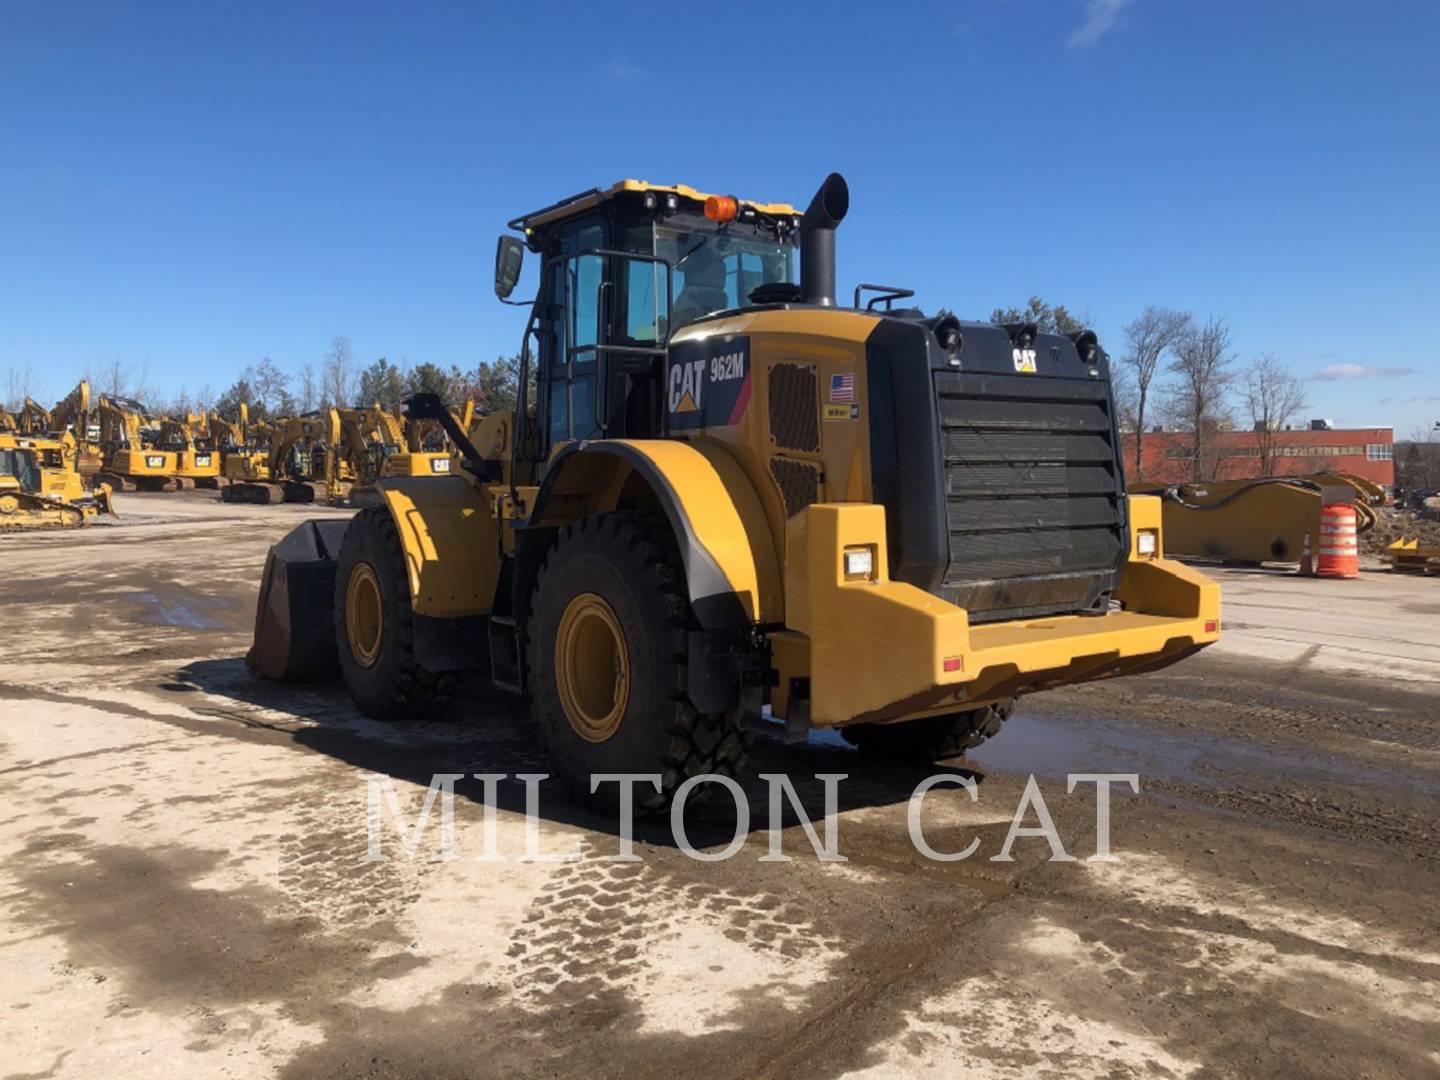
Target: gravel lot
[(185, 891)]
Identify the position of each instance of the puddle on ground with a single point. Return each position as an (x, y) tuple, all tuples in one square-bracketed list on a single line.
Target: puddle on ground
[(177, 611), (1058, 746)]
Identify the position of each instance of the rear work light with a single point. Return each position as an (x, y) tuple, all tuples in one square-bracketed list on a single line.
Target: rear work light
[(859, 563), (1147, 543)]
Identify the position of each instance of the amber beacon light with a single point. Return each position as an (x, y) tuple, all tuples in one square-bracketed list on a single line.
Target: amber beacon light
[(721, 208)]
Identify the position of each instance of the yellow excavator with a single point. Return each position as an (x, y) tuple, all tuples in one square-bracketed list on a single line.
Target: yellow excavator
[(40, 486), (730, 499), (195, 464), (305, 463), (34, 418), (394, 447), (429, 451), (130, 459), (245, 446), (1249, 522), (72, 413), (223, 437)]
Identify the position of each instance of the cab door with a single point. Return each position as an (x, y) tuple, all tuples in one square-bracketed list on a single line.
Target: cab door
[(601, 347)]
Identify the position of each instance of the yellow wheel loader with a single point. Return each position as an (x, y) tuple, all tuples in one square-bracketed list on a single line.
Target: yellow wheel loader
[(727, 495), (40, 486)]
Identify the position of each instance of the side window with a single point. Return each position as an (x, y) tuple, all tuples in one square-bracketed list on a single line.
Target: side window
[(586, 273), (576, 286), (645, 281)]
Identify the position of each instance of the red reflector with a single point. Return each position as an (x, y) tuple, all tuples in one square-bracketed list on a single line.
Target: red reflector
[(1212, 626), (952, 663)]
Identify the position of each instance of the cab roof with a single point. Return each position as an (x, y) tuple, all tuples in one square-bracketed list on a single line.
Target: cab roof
[(595, 196)]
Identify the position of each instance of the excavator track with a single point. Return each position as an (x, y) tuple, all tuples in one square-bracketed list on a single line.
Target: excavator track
[(115, 480), (253, 493)]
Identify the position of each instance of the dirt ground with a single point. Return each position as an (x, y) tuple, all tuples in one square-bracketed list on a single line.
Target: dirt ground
[(185, 892)]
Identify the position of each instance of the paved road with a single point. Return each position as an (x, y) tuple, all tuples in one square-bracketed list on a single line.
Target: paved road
[(185, 886)]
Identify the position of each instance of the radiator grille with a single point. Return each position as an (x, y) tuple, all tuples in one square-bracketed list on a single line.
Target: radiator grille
[(795, 408), (1032, 491), (798, 481)]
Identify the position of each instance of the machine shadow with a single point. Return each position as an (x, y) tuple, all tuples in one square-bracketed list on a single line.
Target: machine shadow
[(488, 731)]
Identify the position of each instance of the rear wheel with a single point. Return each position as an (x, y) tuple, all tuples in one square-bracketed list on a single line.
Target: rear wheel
[(931, 738), (374, 625), (607, 649)]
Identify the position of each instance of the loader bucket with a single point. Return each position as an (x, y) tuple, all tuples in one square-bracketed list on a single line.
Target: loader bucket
[(295, 616)]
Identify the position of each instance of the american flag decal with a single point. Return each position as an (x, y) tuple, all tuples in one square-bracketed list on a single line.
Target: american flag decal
[(842, 387)]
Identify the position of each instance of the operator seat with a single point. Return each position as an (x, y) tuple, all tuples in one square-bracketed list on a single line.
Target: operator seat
[(703, 291)]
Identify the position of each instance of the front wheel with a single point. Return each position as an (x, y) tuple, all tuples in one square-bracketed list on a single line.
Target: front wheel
[(374, 626), (607, 639)]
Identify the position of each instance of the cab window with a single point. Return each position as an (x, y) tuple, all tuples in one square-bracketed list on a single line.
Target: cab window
[(718, 271)]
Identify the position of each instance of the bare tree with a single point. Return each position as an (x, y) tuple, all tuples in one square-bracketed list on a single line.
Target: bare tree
[(178, 405), (1273, 397), (307, 389), (272, 386), (339, 379), (1122, 388), (140, 382), (19, 384), (113, 377), (1153, 333), (1201, 361), (205, 398)]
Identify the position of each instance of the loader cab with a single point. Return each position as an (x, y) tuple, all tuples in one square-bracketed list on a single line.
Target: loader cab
[(623, 269)]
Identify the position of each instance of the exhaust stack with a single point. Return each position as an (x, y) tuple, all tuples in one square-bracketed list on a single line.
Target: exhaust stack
[(817, 241)]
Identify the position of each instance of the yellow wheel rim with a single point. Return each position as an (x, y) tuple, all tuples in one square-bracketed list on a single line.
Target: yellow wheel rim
[(364, 614), (592, 667)]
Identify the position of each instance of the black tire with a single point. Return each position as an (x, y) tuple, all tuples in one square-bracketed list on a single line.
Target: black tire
[(392, 685), (634, 569), (931, 738)]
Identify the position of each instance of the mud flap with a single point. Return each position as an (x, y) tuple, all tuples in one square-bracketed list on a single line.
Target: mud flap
[(725, 673), (295, 616)]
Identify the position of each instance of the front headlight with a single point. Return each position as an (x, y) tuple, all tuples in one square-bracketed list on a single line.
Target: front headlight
[(1147, 543)]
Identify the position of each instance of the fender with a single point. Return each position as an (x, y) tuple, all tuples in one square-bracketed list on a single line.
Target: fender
[(732, 571), (448, 536)]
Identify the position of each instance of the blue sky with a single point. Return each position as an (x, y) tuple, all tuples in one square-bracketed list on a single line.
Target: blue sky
[(197, 185)]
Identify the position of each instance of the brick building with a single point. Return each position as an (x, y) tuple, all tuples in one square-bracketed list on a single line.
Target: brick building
[(1235, 455)]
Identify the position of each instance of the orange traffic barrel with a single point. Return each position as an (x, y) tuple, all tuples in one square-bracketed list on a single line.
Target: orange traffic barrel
[(1339, 544)]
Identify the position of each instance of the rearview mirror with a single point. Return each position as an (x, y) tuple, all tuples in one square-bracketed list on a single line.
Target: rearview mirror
[(509, 257)]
